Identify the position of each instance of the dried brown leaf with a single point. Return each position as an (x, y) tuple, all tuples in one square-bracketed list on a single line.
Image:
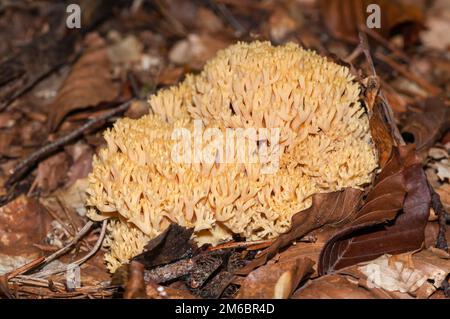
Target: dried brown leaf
[(392, 220), (51, 172), (23, 222), (425, 128), (302, 250), (335, 286), (403, 276), (170, 75), (88, 84), (275, 280), (343, 18)]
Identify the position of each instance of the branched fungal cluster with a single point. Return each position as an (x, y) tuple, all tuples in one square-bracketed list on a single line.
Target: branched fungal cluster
[(324, 145)]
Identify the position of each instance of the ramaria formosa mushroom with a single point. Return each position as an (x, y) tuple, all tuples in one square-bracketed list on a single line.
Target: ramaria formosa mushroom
[(322, 144)]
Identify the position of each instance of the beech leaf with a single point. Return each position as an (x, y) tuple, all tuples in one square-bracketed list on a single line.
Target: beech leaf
[(88, 84), (275, 280), (391, 221)]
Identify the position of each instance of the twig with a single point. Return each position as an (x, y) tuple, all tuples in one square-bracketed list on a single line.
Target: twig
[(428, 87), (32, 285), (25, 268), (252, 5), (48, 149), (366, 50), (229, 17), (42, 261), (59, 220), (386, 107), (80, 261), (175, 23), (4, 279), (354, 54), (97, 245), (381, 40), (134, 86), (65, 249), (37, 282), (242, 244), (68, 214)]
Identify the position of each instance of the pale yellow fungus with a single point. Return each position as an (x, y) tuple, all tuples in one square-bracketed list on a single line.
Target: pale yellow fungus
[(324, 145)]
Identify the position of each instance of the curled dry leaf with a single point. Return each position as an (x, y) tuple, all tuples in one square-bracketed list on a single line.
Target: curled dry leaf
[(392, 220), (275, 280), (342, 18), (327, 208), (88, 84)]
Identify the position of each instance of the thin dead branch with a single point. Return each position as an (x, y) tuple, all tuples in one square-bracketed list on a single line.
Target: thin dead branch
[(29, 162), (402, 70)]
